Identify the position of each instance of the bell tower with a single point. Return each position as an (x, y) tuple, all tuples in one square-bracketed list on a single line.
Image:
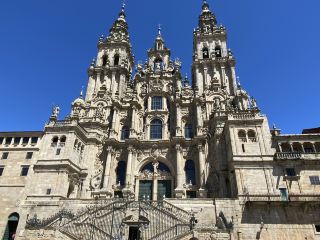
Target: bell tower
[(112, 69), (213, 65)]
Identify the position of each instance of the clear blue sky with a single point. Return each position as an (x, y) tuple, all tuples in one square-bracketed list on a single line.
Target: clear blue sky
[(46, 47)]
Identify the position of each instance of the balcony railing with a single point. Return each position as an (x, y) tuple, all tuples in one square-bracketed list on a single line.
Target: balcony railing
[(287, 155), (280, 198)]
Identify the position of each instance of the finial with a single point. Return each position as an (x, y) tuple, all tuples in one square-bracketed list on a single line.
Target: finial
[(186, 80), (81, 92), (123, 5), (159, 29), (238, 82), (274, 126), (93, 62)]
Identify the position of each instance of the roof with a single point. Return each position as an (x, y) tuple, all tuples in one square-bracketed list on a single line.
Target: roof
[(311, 130)]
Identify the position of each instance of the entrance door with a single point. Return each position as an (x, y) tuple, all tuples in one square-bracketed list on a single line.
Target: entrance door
[(164, 189), (145, 189), (134, 233)]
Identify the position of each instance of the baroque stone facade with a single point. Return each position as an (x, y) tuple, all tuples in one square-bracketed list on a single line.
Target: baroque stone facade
[(151, 156)]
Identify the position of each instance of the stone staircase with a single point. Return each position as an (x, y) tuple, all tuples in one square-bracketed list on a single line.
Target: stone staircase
[(157, 220)]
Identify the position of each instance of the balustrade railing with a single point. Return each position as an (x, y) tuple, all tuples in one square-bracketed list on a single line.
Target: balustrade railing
[(291, 197), (287, 155)]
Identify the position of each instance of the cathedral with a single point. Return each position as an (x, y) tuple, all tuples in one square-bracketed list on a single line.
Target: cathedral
[(148, 154)]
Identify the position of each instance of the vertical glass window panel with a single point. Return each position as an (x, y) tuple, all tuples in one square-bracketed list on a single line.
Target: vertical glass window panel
[(24, 171), (156, 103), (314, 180), (8, 140), (29, 155), (125, 132), (121, 172), (34, 140), (5, 155), (283, 194), (190, 172), (16, 140), (25, 140), (188, 131), (1, 170), (156, 129), (290, 172), (1, 140)]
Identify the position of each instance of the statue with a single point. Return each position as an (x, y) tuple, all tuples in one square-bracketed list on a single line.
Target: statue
[(55, 111), (254, 103)]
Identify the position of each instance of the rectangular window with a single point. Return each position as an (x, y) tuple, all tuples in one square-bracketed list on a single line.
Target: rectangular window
[(1, 170), (283, 194), (29, 155), (16, 140), (290, 172), (314, 180), (8, 140), (25, 140), (34, 140), (1, 140), (188, 133), (58, 151), (156, 103), (24, 171), (5, 155), (48, 191), (317, 228)]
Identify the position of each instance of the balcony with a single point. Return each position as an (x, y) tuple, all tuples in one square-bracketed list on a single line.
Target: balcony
[(287, 155), (280, 198)]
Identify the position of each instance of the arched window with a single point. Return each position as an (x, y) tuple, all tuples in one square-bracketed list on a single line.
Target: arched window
[(285, 147), (188, 131), (205, 53), (54, 141), (252, 136), (125, 132), (217, 51), (116, 60), (104, 60), (242, 135), (156, 103), (121, 172), (190, 172), (308, 147), (156, 129), (11, 228), (150, 168)]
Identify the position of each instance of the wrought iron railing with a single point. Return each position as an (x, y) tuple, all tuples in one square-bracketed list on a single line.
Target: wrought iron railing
[(158, 220)]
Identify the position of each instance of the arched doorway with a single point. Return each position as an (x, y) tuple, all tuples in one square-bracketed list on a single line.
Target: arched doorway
[(155, 181), (11, 228)]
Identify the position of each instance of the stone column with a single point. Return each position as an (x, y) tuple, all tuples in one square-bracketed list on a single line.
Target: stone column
[(90, 88), (234, 79), (164, 105), (106, 175), (223, 75), (202, 177), (149, 103), (178, 119), (133, 129), (129, 167), (113, 84), (205, 77), (98, 82), (179, 191), (114, 122), (314, 147), (199, 119)]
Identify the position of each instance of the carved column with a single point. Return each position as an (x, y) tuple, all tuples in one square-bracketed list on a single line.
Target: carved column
[(202, 177), (205, 77), (199, 119), (129, 167), (113, 84), (91, 85), (179, 191), (133, 129), (234, 83), (114, 122), (179, 127), (107, 168)]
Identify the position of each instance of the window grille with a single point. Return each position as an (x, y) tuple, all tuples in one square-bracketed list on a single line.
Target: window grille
[(156, 103), (156, 129)]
